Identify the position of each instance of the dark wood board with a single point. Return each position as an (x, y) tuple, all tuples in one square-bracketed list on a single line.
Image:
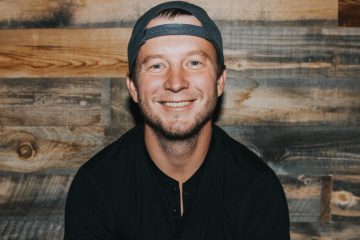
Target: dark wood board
[(329, 231), (55, 102), (39, 228), (303, 150), (345, 202), (349, 13), (304, 196)]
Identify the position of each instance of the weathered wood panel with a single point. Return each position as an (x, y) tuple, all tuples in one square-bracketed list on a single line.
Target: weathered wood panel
[(349, 13), (305, 101), (55, 102), (102, 52), (316, 231), (346, 199), (305, 200), (28, 149), (303, 150), (59, 13), (63, 53), (329, 51), (20, 228), (38, 194)]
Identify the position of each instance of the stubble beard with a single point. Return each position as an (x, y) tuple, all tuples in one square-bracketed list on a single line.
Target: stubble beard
[(179, 133)]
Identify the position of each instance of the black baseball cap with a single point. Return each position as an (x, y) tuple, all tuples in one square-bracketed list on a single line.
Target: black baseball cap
[(208, 30)]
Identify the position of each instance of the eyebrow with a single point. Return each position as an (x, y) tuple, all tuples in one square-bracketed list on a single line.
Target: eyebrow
[(195, 52)]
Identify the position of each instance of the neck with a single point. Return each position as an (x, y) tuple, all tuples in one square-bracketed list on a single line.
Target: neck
[(179, 159)]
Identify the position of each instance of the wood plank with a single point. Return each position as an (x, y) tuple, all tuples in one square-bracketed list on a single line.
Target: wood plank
[(346, 199), (329, 231), (37, 194), (29, 149), (349, 13), (46, 13), (303, 150), (304, 197), (55, 102), (20, 228), (330, 51), (63, 53), (279, 101), (102, 52)]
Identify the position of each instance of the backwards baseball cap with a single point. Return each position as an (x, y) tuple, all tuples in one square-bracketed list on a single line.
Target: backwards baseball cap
[(208, 30)]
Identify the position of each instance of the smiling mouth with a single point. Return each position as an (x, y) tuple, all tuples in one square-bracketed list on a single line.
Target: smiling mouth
[(176, 104)]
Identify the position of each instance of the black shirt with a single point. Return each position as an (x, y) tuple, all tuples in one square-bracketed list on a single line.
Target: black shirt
[(121, 194)]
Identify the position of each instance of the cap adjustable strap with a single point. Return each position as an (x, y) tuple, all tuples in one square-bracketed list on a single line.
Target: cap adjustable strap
[(175, 29)]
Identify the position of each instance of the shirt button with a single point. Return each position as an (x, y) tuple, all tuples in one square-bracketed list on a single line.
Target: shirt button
[(174, 211), (175, 189)]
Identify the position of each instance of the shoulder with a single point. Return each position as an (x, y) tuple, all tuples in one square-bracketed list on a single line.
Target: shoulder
[(238, 157), (244, 173), (116, 151), (113, 162)]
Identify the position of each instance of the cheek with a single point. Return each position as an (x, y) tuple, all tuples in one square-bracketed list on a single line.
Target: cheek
[(148, 88), (203, 82)]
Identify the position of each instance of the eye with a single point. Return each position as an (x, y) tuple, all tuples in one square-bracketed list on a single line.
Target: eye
[(156, 67), (194, 64)]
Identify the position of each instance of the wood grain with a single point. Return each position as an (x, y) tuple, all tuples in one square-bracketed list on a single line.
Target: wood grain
[(59, 13), (303, 150), (278, 101), (304, 196), (63, 53), (37, 194), (317, 51), (20, 228), (55, 102), (102, 52), (349, 13), (346, 199), (316, 231), (29, 149)]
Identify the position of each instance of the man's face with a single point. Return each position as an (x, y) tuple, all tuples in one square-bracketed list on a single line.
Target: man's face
[(176, 85)]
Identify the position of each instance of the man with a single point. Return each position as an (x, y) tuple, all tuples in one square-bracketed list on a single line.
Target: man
[(178, 176)]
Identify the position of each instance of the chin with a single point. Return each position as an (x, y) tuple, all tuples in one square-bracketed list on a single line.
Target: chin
[(177, 131)]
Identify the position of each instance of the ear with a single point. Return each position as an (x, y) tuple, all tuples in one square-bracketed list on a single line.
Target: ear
[(132, 89), (221, 83)]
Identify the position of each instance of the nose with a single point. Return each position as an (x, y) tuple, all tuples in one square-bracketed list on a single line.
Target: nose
[(176, 80)]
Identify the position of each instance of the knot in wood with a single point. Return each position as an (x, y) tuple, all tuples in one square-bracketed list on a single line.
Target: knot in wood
[(25, 150)]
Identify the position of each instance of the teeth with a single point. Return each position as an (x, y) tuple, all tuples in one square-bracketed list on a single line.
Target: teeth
[(176, 104)]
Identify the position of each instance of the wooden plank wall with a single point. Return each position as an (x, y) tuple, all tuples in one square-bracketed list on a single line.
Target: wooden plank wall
[(292, 97)]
